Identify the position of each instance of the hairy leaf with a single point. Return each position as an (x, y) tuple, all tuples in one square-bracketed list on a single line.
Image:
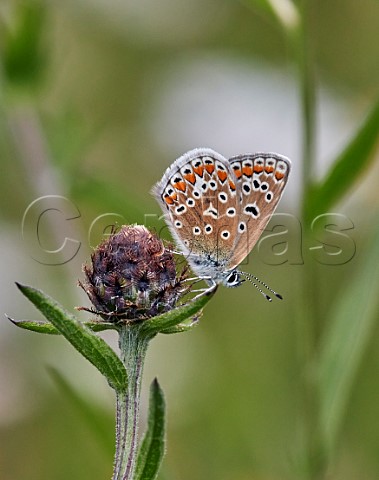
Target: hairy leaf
[(48, 328), (95, 349)]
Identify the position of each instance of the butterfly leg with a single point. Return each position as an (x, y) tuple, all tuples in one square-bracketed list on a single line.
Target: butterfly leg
[(208, 280), (192, 279), (205, 291)]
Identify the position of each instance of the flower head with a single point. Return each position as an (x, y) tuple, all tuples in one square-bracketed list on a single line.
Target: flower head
[(132, 276)]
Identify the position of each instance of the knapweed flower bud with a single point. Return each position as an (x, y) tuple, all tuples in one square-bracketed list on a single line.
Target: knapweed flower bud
[(132, 276)]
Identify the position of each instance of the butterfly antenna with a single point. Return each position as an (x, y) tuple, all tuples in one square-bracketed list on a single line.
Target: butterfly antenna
[(251, 279)]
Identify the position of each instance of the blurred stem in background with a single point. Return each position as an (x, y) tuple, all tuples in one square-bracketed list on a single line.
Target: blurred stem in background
[(314, 463), (295, 22)]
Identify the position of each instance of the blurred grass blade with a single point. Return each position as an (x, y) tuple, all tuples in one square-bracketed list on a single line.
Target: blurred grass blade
[(162, 323), (152, 448), (49, 329), (93, 348), (284, 11), (344, 343), (95, 419), (346, 168)]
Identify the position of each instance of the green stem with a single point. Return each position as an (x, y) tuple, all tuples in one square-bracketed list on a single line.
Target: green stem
[(314, 462), (308, 97), (133, 345), (317, 460)]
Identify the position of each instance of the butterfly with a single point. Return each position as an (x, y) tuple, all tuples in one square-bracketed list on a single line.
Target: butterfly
[(217, 209)]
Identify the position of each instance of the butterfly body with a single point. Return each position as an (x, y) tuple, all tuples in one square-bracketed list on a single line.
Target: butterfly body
[(216, 208)]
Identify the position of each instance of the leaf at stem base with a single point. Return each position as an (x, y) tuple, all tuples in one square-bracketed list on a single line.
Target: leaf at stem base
[(152, 448)]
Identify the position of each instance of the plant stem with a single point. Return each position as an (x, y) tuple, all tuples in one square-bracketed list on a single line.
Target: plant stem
[(316, 464), (308, 96), (133, 346)]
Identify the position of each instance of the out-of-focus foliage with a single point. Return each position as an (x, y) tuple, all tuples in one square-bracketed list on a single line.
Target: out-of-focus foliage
[(24, 53), (348, 167)]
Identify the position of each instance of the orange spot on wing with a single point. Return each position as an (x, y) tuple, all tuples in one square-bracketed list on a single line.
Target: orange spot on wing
[(248, 171), (269, 169), (279, 175), (238, 173), (180, 186), (190, 177), (168, 199), (232, 185), (210, 168), (199, 170), (258, 168), (222, 175)]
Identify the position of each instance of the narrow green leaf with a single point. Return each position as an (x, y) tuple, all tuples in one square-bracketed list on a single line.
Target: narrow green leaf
[(152, 448), (352, 320), (93, 348), (353, 160), (177, 315), (96, 420), (49, 329), (35, 326)]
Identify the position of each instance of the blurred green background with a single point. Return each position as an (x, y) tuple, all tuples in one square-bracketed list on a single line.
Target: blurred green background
[(98, 98)]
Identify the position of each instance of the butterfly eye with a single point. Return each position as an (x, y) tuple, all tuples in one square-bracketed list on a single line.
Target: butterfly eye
[(233, 280)]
